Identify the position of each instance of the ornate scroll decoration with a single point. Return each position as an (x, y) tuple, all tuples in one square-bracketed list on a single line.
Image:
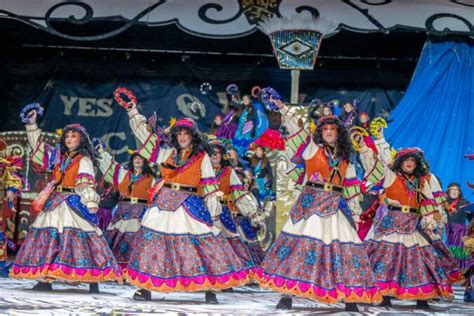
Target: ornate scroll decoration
[(383, 2), (314, 12), (369, 17), (462, 3), (433, 31), (202, 13), (88, 17)]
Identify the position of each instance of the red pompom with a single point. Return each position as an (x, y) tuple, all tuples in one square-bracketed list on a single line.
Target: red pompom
[(271, 139)]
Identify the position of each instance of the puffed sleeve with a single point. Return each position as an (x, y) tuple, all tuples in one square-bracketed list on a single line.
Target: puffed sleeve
[(384, 149), (243, 200), (351, 192), (299, 145), (210, 187), (112, 170), (85, 184), (428, 208), (374, 169)]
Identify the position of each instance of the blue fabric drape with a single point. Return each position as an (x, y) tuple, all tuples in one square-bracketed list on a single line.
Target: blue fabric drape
[(437, 111)]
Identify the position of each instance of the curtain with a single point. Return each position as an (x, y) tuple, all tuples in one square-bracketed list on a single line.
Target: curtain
[(437, 111)]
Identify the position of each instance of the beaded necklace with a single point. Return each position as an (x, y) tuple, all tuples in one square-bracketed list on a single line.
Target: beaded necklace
[(411, 186), (66, 162), (177, 159), (333, 161)]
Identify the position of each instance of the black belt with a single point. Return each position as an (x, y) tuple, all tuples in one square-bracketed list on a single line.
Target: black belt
[(404, 209), (326, 186), (181, 187), (64, 189), (134, 200)]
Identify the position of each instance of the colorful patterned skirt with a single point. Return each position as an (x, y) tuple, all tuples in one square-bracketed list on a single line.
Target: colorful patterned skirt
[(63, 245), (405, 263), (455, 233), (448, 263), (318, 254), (248, 234), (228, 227), (122, 230), (178, 249)]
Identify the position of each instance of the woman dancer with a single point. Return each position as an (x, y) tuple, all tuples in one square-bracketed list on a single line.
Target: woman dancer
[(318, 254), (133, 183), (64, 243), (177, 247)]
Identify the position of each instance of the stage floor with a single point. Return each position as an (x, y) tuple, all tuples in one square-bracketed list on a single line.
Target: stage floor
[(16, 298)]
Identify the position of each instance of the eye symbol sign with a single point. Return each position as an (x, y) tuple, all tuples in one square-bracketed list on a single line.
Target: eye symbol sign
[(296, 48)]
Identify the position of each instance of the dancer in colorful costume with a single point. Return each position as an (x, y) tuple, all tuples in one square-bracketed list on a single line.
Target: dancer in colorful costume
[(318, 254), (248, 225), (177, 248), (263, 173), (456, 229), (446, 259), (405, 262), (11, 182), (234, 200), (252, 123), (64, 242), (133, 183), (227, 128), (371, 203)]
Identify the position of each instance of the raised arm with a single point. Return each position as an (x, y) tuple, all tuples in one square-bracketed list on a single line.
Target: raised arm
[(43, 153), (150, 148), (299, 145), (374, 169)]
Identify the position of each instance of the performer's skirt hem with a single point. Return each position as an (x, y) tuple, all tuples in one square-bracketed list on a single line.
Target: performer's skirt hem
[(312, 291), (188, 284)]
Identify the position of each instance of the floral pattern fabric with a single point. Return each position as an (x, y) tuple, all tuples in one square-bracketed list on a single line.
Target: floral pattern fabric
[(329, 273), (313, 201), (73, 255), (183, 262)]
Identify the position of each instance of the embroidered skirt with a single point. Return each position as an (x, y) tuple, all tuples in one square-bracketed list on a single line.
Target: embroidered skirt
[(178, 249), (405, 264), (318, 254), (63, 245)]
